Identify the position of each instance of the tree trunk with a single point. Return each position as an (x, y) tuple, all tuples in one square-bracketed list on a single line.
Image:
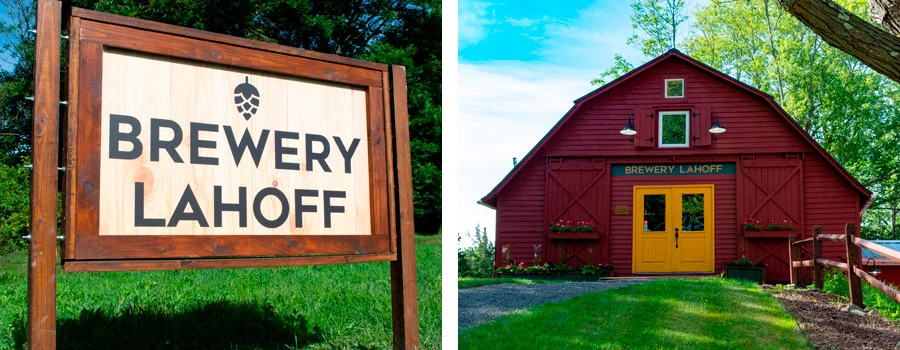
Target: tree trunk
[(886, 13), (872, 45)]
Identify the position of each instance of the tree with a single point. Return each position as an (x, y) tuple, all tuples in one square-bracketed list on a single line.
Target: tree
[(403, 32), (839, 27), (16, 83), (658, 23)]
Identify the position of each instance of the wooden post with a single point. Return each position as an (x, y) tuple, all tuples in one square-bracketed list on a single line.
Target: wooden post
[(793, 255), (817, 254), (42, 261), (852, 264), (404, 303)]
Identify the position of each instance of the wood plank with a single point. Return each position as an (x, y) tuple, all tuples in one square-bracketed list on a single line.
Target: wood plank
[(880, 249), (404, 304), (804, 263), (833, 238), (85, 168), (41, 324), (852, 265), (391, 175), (803, 241), (68, 193), (818, 280), (197, 264), (832, 263), (95, 247), (236, 56), (793, 257), (220, 38), (884, 288)]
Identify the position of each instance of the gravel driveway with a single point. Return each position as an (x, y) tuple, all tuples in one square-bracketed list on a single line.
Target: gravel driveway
[(482, 304)]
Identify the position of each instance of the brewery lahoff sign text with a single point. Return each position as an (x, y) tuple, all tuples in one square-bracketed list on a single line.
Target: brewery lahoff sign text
[(298, 167)]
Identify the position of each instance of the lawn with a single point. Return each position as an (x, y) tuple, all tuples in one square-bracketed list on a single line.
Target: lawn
[(708, 313), (318, 307)]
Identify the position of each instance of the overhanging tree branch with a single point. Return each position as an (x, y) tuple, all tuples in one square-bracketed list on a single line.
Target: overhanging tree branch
[(872, 45)]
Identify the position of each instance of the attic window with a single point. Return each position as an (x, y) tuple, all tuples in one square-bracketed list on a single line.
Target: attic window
[(674, 88)]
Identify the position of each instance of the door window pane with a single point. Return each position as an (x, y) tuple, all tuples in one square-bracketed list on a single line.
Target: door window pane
[(692, 212), (654, 212)]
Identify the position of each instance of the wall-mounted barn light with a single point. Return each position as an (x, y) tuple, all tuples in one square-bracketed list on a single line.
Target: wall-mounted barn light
[(716, 127), (875, 271), (628, 130)]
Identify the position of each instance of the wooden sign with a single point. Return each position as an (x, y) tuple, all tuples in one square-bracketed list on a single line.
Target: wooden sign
[(185, 149), (187, 145)]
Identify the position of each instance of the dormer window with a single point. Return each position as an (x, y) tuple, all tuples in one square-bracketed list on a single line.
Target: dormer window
[(674, 88), (674, 129)]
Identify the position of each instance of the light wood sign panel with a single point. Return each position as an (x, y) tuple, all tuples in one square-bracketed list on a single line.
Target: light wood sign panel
[(186, 145), (193, 149)]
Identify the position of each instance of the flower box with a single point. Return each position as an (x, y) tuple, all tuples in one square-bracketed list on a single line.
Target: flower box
[(752, 274), (768, 234), (573, 235)]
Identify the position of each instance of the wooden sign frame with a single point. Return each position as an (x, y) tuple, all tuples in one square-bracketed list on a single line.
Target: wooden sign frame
[(92, 33), (84, 249)]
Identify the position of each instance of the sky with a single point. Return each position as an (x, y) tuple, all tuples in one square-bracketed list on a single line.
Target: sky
[(521, 66)]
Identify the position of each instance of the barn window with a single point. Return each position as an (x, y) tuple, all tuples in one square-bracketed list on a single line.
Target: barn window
[(674, 88), (673, 129)]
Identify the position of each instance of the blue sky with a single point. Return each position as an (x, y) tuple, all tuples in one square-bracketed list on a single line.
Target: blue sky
[(521, 64), (573, 33)]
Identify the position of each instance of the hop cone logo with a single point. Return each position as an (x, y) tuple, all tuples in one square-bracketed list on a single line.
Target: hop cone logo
[(246, 98)]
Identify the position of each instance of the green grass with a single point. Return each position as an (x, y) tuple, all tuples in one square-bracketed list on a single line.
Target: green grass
[(318, 307), (836, 283), (472, 282), (710, 313)]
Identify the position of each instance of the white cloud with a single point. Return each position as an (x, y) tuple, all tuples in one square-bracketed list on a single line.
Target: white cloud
[(474, 20), (589, 40), (505, 108), (522, 22)]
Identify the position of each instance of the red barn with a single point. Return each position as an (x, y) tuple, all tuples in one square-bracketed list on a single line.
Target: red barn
[(661, 169)]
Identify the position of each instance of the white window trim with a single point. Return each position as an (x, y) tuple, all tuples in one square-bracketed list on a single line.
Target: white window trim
[(666, 88), (687, 129)]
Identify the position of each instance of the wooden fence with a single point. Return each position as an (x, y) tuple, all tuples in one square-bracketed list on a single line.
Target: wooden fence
[(851, 267)]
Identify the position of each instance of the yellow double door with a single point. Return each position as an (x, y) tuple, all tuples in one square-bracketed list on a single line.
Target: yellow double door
[(673, 229)]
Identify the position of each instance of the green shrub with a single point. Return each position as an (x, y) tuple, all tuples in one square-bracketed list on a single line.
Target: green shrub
[(15, 190), (478, 259), (836, 283)]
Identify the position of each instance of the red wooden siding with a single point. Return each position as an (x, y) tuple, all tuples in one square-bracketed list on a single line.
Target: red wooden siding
[(577, 190), (520, 224), (771, 188), (829, 203), (780, 174)]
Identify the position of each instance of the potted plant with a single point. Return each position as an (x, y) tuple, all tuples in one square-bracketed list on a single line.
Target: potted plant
[(595, 272), (745, 269)]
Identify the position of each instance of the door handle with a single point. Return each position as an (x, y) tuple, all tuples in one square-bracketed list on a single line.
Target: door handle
[(676, 237)]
